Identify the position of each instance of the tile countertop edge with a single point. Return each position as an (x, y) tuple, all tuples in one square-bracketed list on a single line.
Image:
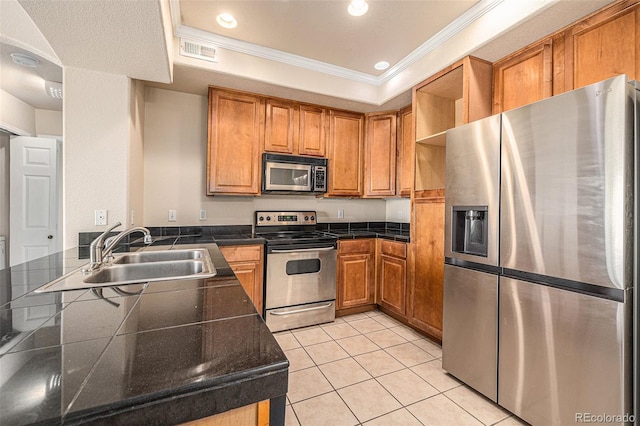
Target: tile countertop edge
[(266, 380), (193, 404)]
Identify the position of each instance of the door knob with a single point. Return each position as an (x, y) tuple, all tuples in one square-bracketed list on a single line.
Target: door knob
[(50, 237)]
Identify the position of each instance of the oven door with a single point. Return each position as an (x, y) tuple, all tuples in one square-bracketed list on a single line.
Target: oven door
[(298, 276), (287, 177)]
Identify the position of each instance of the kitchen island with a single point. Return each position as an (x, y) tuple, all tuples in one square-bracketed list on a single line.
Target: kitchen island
[(162, 353)]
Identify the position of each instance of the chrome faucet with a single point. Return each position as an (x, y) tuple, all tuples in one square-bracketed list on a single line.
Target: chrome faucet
[(101, 248)]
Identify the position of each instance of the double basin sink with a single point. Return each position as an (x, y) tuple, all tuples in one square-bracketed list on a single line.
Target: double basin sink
[(137, 268)]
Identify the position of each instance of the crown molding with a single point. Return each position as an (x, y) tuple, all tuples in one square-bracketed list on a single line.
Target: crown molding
[(459, 24), (273, 54), (206, 37)]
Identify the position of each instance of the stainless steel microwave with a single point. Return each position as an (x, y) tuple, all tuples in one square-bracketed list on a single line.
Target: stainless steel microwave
[(293, 174)]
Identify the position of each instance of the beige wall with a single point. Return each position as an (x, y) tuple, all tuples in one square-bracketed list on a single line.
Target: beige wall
[(96, 149), (48, 122), (175, 147), (136, 156), (4, 185), (16, 116)]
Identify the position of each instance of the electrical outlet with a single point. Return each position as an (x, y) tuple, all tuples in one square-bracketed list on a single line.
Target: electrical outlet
[(399, 214), (340, 214), (203, 214), (172, 215), (100, 217), (133, 217)]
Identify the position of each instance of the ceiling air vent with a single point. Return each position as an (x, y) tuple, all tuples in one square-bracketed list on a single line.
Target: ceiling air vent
[(197, 50)]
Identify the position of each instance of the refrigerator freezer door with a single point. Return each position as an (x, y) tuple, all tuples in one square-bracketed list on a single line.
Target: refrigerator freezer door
[(473, 179), (566, 186), (562, 355), (469, 336)]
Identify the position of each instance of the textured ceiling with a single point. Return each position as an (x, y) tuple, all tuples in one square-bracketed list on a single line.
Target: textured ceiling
[(325, 32)]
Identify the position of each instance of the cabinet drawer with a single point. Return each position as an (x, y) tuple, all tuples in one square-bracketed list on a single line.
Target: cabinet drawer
[(242, 253), (393, 248), (356, 246)]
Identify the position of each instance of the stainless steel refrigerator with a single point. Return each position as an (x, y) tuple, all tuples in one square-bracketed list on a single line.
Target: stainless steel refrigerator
[(568, 256)]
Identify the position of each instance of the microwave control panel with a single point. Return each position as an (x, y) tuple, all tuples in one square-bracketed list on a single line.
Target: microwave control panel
[(320, 179)]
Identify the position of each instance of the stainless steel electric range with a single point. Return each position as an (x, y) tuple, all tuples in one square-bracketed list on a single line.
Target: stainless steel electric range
[(300, 283)]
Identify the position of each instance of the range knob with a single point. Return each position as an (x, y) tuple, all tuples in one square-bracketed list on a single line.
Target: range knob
[(306, 218), (268, 218), (312, 217), (261, 218)]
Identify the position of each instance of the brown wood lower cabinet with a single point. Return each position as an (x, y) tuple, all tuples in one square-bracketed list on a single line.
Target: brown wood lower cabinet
[(426, 286), (392, 276), (254, 414), (246, 261), (355, 283)]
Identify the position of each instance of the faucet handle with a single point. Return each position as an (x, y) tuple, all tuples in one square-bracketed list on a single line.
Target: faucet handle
[(115, 225)]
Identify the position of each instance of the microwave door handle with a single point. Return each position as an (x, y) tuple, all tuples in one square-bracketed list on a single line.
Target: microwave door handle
[(299, 250)]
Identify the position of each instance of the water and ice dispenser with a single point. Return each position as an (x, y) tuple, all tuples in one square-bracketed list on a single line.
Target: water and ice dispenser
[(470, 230)]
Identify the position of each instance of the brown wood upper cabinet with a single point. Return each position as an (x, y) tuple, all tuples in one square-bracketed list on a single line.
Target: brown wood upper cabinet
[(236, 140), (380, 155), (280, 126), (346, 140), (312, 131), (599, 46), (297, 129), (524, 77), (604, 45), (405, 142)]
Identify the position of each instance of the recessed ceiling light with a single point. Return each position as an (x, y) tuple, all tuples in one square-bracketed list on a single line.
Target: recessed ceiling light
[(25, 60), (382, 65), (226, 20), (358, 7)]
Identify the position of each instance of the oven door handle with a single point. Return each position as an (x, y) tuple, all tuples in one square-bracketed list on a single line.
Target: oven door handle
[(297, 311), (299, 250)]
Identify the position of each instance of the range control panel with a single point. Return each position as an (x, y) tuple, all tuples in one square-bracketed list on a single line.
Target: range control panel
[(285, 218)]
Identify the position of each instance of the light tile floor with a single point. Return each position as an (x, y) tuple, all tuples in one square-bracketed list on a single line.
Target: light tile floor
[(370, 369)]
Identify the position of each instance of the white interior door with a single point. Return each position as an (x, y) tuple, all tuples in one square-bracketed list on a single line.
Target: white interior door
[(33, 198)]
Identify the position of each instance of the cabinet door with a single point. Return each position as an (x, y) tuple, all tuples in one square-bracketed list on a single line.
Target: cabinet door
[(279, 132), (247, 263), (313, 133), (426, 304), (380, 155), (355, 274), (355, 283), (345, 154), (235, 143), (604, 45), (250, 276), (393, 283), (523, 78), (405, 163)]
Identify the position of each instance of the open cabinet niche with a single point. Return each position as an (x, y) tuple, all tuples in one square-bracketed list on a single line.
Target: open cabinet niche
[(457, 95)]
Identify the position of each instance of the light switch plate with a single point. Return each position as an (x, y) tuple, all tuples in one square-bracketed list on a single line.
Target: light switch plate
[(203, 214), (172, 215)]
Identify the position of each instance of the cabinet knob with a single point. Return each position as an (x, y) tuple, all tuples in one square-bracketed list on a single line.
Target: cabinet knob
[(50, 237)]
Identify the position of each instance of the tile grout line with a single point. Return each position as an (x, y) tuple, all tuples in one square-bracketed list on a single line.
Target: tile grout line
[(360, 333)]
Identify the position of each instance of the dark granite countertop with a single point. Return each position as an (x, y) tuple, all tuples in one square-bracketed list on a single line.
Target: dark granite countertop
[(162, 353), (352, 230)]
